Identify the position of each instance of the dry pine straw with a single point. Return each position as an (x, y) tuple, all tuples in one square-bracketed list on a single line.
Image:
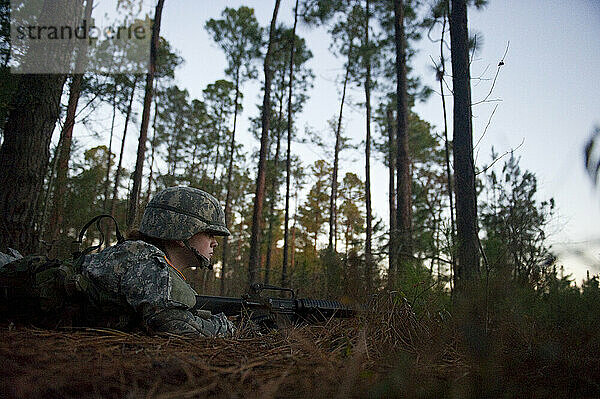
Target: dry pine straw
[(331, 360)]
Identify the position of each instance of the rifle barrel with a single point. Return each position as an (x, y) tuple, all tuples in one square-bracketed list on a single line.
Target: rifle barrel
[(297, 309)]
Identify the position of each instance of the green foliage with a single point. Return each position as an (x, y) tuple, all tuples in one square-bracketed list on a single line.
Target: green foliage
[(350, 211), (506, 338), (312, 215), (307, 275), (167, 60), (172, 130), (280, 64), (414, 25), (429, 192), (84, 199), (318, 12), (240, 37), (513, 222)]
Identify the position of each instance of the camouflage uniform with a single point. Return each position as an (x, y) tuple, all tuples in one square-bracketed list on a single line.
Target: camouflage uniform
[(11, 256), (177, 213), (134, 281)]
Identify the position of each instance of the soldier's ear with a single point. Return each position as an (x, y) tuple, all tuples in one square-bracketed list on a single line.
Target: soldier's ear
[(180, 244)]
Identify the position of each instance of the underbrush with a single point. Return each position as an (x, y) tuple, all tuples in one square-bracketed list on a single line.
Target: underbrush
[(339, 358), (503, 341)]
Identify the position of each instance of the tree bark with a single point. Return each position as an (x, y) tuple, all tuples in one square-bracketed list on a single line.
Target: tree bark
[(293, 246), (392, 246), (56, 219), (260, 180), (139, 164), (113, 202), (403, 237), (441, 74), (109, 156), (336, 155), (51, 175), (25, 152), (284, 271), (273, 193), (467, 266), (369, 232), (153, 151), (229, 178)]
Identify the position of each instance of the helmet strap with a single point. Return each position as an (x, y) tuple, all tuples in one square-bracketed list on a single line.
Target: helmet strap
[(203, 261)]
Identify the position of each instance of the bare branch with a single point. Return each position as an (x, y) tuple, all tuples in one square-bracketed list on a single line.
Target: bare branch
[(511, 151), (500, 65), (487, 126)]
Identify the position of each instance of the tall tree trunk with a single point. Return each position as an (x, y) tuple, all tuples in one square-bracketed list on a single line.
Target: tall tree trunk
[(293, 246), (273, 193), (25, 152), (139, 164), (153, 151), (467, 266), (217, 156), (64, 154), (392, 245), (229, 178), (284, 266), (48, 189), (260, 180), (113, 202), (441, 74), (110, 141), (404, 180), (56, 219), (336, 156), (369, 232)]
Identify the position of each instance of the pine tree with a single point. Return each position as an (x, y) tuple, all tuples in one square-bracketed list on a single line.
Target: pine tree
[(312, 212), (291, 80), (404, 179), (66, 134), (34, 110), (514, 223), (139, 166), (464, 169), (240, 37), (260, 180)]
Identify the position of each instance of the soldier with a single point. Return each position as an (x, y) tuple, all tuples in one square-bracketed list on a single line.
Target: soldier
[(140, 281)]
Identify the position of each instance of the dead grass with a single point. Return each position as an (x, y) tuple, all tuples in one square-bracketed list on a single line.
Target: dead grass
[(309, 361), (385, 353), (337, 359)]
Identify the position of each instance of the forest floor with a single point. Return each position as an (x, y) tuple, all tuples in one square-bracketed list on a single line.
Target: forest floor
[(308, 361), (340, 358), (385, 353)]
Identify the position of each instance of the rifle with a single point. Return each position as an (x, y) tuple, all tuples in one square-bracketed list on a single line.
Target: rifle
[(294, 310)]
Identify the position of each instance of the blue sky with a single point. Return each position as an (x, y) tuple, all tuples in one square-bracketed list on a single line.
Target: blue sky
[(550, 99), (548, 96)]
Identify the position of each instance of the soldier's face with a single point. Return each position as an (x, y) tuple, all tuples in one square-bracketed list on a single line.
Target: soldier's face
[(204, 243)]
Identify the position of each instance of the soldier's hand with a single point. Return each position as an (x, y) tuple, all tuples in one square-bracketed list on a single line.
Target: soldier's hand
[(205, 314)]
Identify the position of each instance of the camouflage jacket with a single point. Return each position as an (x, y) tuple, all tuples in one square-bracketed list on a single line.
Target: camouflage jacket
[(134, 280), (11, 256)]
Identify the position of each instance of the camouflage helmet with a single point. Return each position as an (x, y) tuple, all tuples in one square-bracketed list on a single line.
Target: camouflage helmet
[(178, 213)]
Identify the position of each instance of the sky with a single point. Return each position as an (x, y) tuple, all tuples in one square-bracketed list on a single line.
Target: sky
[(546, 94)]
